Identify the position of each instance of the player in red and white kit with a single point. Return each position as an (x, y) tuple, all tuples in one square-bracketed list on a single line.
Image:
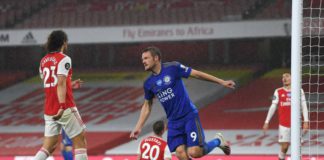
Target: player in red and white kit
[(59, 109), (154, 147), (282, 99)]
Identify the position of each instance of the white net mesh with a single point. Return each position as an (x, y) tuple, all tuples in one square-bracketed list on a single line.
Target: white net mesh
[(313, 77)]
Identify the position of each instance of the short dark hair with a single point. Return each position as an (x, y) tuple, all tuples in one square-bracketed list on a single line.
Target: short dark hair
[(158, 127), (154, 51), (56, 40)]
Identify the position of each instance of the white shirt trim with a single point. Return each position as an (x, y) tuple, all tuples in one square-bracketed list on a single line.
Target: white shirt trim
[(62, 68)]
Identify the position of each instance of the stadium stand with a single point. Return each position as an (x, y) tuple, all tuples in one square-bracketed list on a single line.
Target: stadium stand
[(10, 78), (85, 13), (279, 9), (192, 53), (15, 11), (282, 9), (251, 100), (14, 67), (98, 106)]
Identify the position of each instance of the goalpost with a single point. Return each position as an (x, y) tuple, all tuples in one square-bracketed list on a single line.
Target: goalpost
[(307, 68), (296, 48)]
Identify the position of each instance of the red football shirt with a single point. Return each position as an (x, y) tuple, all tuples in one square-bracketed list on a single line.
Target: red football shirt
[(153, 148), (51, 66), (282, 98)]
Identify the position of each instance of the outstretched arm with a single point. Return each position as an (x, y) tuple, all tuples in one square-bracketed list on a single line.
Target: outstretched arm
[(207, 77), (76, 84), (145, 112)]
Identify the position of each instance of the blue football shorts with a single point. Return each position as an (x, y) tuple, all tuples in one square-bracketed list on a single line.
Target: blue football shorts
[(187, 131), (66, 140)]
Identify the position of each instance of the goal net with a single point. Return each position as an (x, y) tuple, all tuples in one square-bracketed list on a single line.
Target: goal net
[(312, 78)]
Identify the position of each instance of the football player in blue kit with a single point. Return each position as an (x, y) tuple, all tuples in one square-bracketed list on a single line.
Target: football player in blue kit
[(66, 147), (185, 133)]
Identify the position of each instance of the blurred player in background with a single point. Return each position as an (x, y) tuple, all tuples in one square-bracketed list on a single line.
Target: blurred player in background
[(281, 99), (66, 147), (60, 109), (66, 143), (154, 147), (185, 133)]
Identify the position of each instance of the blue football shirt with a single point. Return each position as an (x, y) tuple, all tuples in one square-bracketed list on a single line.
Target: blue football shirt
[(168, 88)]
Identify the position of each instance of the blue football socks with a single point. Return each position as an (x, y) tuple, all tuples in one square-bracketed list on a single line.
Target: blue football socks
[(68, 155), (208, 147)]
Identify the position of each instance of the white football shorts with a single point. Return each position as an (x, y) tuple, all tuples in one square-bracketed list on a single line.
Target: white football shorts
[(70, 121), (284, 134)]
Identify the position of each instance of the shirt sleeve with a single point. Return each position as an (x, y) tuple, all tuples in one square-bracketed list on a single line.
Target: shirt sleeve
[(64, 66), (167, 153), (183, 71), (271, 112), (273, 107), (41, 73), (139, 149), (275, 98), (304, 106), (148, 94)]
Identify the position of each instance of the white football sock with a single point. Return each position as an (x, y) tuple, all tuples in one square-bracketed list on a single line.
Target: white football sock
[(42, 154), (282, 155), (81, 154)]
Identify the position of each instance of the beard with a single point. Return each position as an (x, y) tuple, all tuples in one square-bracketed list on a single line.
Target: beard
[(149, 68)]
